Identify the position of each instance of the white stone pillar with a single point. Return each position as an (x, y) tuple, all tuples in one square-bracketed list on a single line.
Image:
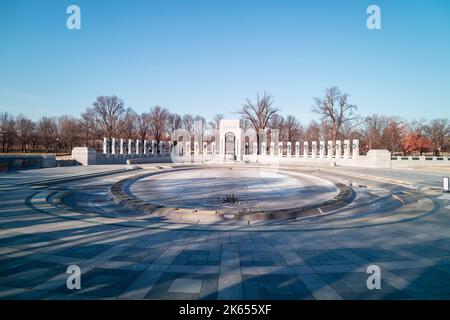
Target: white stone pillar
[(130, 148), (297, 149), (289, 149), (163, 149), (346, 147), (196, 148), (187, 152), (205, 148), (105, 147), (123, 147), (138, 148), (305, 149), (314, 150), (255, 149), (213, 147), (355, 148), (322, 150), (263, 149), (114, 146), (338, 149), (154, 148), (161, 146), (145, 148), (272, 149), (330, 149), (280, 149)]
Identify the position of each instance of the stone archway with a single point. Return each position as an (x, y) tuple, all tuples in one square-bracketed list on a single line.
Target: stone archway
[(230, 146), (231, 128)]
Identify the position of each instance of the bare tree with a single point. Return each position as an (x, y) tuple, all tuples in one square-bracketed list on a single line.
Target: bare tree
[(7, 131), (25, 129), (47, 131), (293, 128), (68, 131), (175, 122), (188, 122), (143, 125), (313, 131), (128, 123), (393, 135), (259, 113), (438, 131), (107, 113), (158, 122), (215, 123), (374, 128), (335, 110)]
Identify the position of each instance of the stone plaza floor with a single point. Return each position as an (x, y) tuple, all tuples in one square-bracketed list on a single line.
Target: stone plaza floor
[(397, 221)]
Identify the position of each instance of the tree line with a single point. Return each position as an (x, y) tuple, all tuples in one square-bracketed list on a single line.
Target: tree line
[(337, 119)]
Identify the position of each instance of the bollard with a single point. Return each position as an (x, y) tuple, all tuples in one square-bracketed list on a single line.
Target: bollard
[(446, 184)]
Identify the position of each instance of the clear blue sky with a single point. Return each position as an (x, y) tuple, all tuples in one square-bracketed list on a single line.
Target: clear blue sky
[(207, 56)]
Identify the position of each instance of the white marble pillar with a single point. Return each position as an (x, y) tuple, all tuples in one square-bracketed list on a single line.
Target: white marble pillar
[(130, 148), (330, 149), (272, 149), (187, 152), (255, 149), (355, 148), (105, 147), (289, 149), (154, 149), (196, 148), (280, 149), (138, 148), (145, 148), (346, 147), (114, 150), (213, 147), (322, 150), (263, 149), (123, 147), (162, 148), (338, 149), (314, 150), (205, 148), (297, 149), (305, 149)]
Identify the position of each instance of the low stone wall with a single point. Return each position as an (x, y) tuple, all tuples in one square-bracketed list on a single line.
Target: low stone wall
[(419, 161), (25, 162)]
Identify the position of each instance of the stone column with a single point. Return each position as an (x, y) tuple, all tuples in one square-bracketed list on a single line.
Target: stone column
[(314, 150), (355, 148), (338, 149), (272, 149), (162, 148), (188, 149), (263, 149), (255, 149), (289, 149), (322, 150), (346, 147), (105, 147), (213, 147), (154, 148), (330, 149), (280, 149), (196, 149), (145, 148), (305, 149), (131, 148), (123, 147), (205, 148), (114, 146), (138, 148), (297, 149)]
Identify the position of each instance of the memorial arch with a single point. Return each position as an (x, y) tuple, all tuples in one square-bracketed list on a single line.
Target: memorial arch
[(231, 140)]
